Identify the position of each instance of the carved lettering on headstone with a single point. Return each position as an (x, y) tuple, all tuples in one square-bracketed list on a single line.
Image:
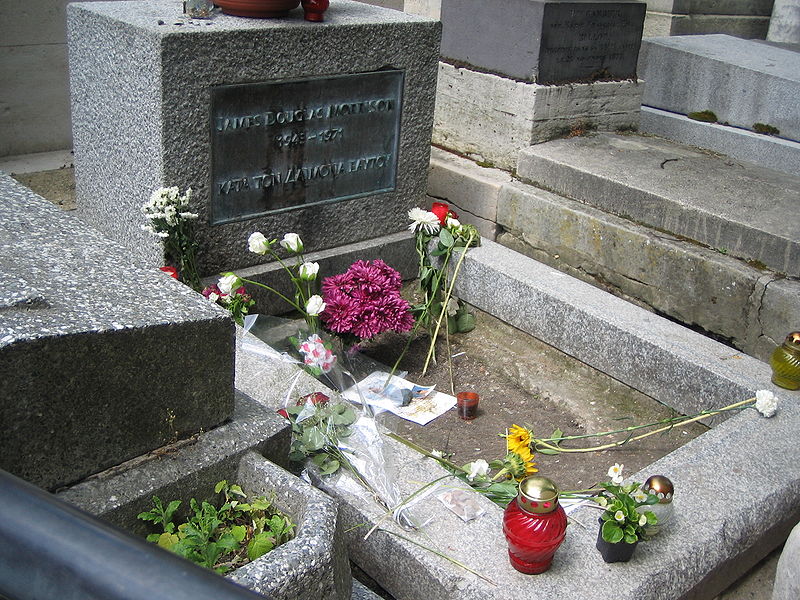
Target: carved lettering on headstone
[(284, 145)]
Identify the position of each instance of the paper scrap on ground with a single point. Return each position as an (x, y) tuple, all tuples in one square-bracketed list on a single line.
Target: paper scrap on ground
[(408, 401)]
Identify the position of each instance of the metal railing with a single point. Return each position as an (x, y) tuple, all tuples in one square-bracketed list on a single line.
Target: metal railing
[(51, 550)]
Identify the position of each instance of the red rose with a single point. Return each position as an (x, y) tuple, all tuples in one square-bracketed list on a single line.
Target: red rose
[(442, 210), (314, 397), (282, 412), (172, 271)]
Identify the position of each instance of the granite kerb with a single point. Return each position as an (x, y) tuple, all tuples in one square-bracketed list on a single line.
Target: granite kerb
[(730, 509)]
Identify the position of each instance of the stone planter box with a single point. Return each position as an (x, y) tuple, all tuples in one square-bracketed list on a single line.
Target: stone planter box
[(313, 565)]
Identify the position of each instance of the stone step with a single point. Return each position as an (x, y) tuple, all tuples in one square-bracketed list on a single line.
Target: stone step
[(765, 150), (738, 208), (742, 81), (748, 307)]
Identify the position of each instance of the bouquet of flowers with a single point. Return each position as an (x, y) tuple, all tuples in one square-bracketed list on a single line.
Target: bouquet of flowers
[(231, 294), (169, 218), (439, 233)]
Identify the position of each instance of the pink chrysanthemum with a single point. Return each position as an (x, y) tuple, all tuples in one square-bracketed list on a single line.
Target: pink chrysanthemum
[(366, 301)]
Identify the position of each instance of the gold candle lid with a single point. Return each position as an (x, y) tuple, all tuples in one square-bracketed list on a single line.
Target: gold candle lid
[(793, 339), (537, 495), (661, 487)]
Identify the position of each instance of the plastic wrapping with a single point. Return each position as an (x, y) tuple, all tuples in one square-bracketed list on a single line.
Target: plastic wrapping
[(330, 431)]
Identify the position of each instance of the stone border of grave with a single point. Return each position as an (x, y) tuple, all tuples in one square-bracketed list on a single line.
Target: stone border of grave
[(737, 485), (313, 565)]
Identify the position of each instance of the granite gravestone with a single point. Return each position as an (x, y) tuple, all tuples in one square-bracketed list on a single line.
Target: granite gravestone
[(221, 106), (545, 41)]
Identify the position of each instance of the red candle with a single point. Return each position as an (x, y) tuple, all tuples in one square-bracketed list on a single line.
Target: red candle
[(535, 525)]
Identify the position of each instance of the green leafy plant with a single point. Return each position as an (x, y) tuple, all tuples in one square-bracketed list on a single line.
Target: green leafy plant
[(221, 538), (622, 522), (316, 432)]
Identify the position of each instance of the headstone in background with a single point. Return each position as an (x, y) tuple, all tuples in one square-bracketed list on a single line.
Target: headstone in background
[(518, 72), (784, 25), (748, 19), (743, 82), (101, 360), (279, 125), (545, 41)]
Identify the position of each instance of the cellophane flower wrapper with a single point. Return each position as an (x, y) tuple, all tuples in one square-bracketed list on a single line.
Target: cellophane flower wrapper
[(323, 357)]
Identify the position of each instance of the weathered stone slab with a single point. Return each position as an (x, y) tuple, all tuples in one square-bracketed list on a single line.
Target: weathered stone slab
[(142, 83), (545, 41), (765, 150), (658, 24), (743, 82), (491, 118), (670, 363), (748, 211), (472, 189), (102, 359)]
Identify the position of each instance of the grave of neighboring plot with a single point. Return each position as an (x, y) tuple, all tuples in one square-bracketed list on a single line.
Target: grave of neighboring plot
[(523, 71), (101, 360), (278, 125)]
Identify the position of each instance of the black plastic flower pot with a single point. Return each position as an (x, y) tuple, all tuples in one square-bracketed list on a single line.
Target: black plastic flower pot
[(618, 552)]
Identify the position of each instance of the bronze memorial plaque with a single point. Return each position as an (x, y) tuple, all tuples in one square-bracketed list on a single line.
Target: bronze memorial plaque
[(283, 145)]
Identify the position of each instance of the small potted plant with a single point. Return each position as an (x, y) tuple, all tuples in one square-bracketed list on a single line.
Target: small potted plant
[(624, 519)]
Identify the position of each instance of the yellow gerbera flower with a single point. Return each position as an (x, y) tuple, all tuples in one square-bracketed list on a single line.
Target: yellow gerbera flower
[(518, 438)]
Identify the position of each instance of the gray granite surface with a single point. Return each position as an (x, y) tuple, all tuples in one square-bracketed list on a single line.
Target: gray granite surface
[(745, 210), (545, 41), (102, 358), (731, 507), (765, 150), (140, 104), (742, 81)]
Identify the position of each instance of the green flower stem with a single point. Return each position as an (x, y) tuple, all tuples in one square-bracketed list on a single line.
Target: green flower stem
[(441, 460), (295, 280), (439, 554), (540, 443), (276, 292), (445, 301)]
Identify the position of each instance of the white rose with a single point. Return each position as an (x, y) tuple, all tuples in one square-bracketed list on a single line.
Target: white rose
[(309, 270), (292, 242), (227, 283), (315, 305), (258, 243), (478, 468), (766, 403)]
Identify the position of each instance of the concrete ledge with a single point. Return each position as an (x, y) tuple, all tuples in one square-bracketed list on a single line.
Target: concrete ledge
[(490, 118), (105, 359), (472, 189), (658, 24), (747, 210), (682, 369), (768, 151), (312, 565)]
